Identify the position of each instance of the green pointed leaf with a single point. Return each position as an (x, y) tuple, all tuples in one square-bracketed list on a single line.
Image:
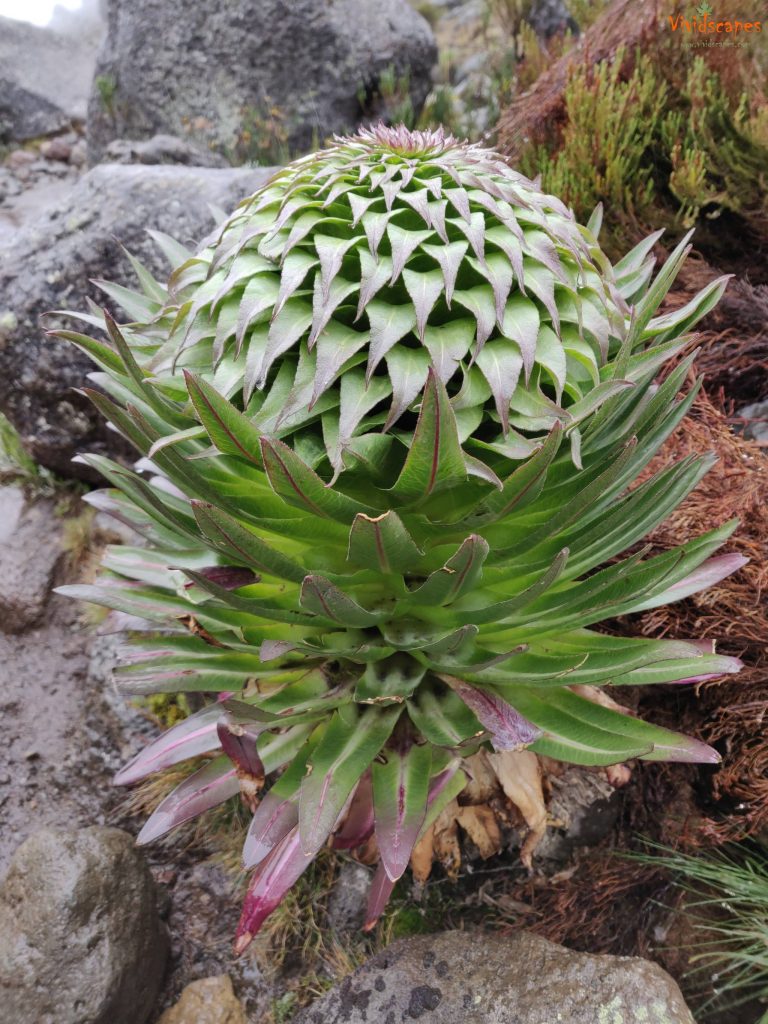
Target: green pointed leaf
[(383, 543), (320, 596), (435, 459), (393, 679), (523, 485), (296, 483), (443, 719), (242, 545), (231, 431), (460, 574)]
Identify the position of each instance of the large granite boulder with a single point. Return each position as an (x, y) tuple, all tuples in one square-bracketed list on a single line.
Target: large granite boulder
[(50, 264), (472, 978), (45, 79), (80, 937), (214, 69)]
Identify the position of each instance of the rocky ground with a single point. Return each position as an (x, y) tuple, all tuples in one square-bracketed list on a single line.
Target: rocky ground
[(93, 931)]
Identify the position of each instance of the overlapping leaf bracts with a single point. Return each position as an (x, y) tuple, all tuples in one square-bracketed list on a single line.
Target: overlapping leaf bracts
[(378, 258), (382, 515)]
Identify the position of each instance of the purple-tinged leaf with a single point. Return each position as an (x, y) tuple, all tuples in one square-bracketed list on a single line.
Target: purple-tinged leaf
[(340, 758), (424, 290), (323, 307), (388, 323), (230, 577), (331, 252), (390, 189), (273, 819), (500, 363), (508, 729), (239, 737), (448, 345), (512, 250), (359, 204), (193, 736), (357, 398), (378, 897), (374, 274), (208, 787), (459, 199), (408, 369), (450, 257), (358, 823), (300, 229), (480, 303), (271, 881), (520, 324), (286, 329), (403, 244), (437, 216), (419, 201), (400, 789), (708, 574), (335, 347), (259, 297), (498, 272), (474, 232), (542, 283), (270, 650), (374, 225)]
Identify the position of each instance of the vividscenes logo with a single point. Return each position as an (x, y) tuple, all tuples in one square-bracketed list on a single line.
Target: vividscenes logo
[(705, 23)]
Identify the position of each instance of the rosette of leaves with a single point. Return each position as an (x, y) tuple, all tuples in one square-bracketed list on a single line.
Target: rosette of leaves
[(394, 416)]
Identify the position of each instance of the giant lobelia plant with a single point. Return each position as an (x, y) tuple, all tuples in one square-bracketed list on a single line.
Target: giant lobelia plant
[(395, 417)]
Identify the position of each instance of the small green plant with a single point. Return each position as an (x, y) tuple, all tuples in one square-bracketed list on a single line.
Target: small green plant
[(397, 412), (262, 138), (16, 466), (652, 149), (726, 898), (106, 87), (604, 154)]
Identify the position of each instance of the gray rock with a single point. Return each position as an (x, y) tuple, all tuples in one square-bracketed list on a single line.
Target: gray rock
[(30, 548), (80, 939), (162, 149), (212, 69), (349, 898), (465, 978), (757, 416), (45, 79), (550, 18), (49, 264)]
